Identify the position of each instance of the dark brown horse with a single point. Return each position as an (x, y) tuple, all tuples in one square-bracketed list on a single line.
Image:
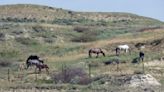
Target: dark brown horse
[(42, 66), (96, 51)]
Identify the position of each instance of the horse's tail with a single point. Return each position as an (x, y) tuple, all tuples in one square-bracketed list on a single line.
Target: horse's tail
[(27, 63), (47, 66), (89, 52)]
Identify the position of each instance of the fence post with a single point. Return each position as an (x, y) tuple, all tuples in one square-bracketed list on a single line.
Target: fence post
[(143, 67), (64, 71), (36, 75), (8, 74), (89, 70)]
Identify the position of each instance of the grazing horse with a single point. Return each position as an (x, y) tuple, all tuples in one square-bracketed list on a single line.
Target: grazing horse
[(141, 56), (96, 51), (33, 60), (126, 48), (42, 66)]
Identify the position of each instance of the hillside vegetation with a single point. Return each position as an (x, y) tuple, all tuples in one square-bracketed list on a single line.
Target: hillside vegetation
[(63, 37)]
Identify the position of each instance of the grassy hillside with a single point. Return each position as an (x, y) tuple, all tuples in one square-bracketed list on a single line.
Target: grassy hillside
[(45, 14), (63, 38)]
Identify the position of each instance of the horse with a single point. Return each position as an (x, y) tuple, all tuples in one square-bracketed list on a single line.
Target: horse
[(96, 51), (141, 56), (33, 60), (125, 47), (42, 66), (137, 60)]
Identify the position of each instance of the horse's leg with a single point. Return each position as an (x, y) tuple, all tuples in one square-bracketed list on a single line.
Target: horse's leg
[(89, 53), (39, 69), (117, 52), (142, 59), (35, 70), (27, 66), (97, 55), (125, 50)]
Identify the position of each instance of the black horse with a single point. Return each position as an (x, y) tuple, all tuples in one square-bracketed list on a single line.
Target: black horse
[(33, 60), (141, 55), (137, 60), (96, 51)]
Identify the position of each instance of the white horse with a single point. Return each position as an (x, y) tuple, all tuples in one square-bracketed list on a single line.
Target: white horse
[(125, 47)]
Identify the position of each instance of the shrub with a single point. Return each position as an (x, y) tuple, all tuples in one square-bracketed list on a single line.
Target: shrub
[(4, 63), (48, 40), (72, 75), (87, 36), (156, 42), (84, 38), (2, 36), (135, 60), (80, 29), (38, 29), (138, 45)]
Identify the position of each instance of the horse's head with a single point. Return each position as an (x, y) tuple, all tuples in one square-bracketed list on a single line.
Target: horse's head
[(102, 52), (41, 60), (46, 66)]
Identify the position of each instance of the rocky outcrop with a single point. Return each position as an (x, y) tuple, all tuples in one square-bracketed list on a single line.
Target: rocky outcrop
[(143, 80)]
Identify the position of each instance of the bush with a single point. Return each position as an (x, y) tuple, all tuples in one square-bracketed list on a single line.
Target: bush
[(80, 29), (4, 63), (87, 36), (135, 60), (72, 75), (84, 38), (2, 36), (38, 29)]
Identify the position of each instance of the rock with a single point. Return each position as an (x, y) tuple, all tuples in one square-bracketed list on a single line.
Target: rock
[(143, 80)]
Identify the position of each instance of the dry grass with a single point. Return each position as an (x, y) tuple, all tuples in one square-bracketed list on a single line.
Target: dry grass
[(68, 58)]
